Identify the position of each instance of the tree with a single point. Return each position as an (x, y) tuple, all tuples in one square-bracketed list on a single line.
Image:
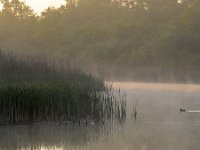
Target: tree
[(16, 8)]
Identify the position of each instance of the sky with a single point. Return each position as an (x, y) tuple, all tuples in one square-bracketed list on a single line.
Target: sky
[(39, 5), (0, 6)]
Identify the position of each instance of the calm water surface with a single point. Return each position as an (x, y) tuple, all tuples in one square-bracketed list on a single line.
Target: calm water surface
[(159, 124)]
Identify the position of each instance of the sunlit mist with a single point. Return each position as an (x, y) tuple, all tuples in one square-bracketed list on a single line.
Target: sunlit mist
[(99, 74), (39, 5), (1, 6)]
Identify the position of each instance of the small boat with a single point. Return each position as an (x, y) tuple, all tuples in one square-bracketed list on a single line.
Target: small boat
[(182, 110), (189, 111)]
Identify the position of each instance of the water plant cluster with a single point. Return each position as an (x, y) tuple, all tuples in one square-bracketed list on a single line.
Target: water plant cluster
[(38, 89)]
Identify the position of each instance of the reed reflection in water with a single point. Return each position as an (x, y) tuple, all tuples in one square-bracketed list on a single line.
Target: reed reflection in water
[(159, 125)]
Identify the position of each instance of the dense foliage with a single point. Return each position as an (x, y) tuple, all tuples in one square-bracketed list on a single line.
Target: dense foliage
[(151, 40)]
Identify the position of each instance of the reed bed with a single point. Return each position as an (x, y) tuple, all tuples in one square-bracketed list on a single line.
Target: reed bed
[(37, 89)]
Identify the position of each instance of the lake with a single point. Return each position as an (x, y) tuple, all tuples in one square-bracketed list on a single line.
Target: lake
[(158, 124)]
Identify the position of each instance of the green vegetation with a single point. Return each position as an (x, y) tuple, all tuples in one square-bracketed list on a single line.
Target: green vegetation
[(145, 40), (35, 89)]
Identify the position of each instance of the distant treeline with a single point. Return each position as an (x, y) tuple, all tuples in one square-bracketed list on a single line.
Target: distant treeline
[(144, 40)]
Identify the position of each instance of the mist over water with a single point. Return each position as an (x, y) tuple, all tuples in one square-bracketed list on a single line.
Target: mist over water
[(159, 124), (52, 67), (172, 87)]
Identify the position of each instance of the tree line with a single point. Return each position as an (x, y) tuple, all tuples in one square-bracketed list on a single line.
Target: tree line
[(142, 40)]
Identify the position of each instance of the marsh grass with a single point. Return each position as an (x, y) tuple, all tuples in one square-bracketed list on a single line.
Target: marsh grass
[(35, 89)]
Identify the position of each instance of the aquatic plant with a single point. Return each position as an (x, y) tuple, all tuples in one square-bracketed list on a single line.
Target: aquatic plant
[(35, 89)]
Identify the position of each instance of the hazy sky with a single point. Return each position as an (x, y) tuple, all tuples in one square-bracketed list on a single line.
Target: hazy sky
[(0, 6), (39, 5)]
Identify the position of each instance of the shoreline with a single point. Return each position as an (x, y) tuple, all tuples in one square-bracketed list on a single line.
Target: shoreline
[(171, 87)]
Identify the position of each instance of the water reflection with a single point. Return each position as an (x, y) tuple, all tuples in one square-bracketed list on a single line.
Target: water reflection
[(159, 125), (45, 136)]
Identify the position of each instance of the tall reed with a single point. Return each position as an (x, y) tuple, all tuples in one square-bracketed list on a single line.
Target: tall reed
[(37, 89)]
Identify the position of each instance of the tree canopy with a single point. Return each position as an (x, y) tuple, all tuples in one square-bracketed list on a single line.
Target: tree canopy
[(151, 40)]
